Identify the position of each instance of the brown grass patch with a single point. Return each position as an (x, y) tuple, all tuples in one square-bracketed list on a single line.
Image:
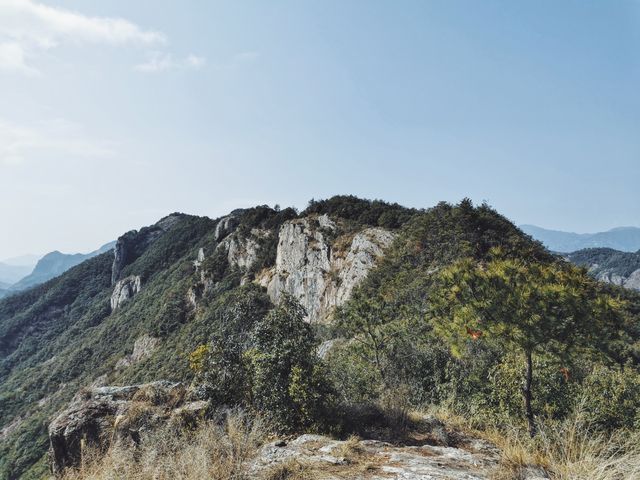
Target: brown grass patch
[(214, 451)]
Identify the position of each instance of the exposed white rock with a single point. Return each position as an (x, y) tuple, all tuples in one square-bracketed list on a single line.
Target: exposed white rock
[(226, 225), (633, 280), (124, 290), (197, 263), (385, 460), (242, 252), (325, 347), (319, 276), (143, 347)]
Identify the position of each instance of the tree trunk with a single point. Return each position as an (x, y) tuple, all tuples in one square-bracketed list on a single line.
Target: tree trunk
[(526, 394)]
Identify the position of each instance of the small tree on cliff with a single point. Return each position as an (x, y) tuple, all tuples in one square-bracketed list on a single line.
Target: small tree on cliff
[(527, 307)]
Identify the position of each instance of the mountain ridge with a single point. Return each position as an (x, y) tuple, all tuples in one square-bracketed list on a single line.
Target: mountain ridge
[(134, 315), (626, 239)]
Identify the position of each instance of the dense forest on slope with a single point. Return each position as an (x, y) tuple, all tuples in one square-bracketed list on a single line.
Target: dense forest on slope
[(611, 266), (203, 306)]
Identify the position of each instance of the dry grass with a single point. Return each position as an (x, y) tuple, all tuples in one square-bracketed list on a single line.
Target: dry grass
[(351, 449), (570, 450), (291, 469), (216, 452)]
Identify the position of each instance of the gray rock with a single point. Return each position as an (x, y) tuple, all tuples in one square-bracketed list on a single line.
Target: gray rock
[(226, 225), (143, 347), (388, 461), (533, 473), (124, 290), (97, 417), (320, 276), (132, 244), (633, 280)]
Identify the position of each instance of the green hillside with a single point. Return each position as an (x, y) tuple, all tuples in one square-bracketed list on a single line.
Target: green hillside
[(63, 335)]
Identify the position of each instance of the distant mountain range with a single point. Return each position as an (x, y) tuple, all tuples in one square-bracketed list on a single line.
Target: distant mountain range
[(10, 274), (625, 239), (15, 278)]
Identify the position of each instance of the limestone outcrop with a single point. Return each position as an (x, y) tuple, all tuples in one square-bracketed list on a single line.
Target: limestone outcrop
[(319, 270), (242, 252), (378, 460), (124, 290), (632, 281), (227, 225), (143, 347)]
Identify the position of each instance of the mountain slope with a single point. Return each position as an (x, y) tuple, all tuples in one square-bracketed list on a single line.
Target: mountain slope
[(134, 315), (63, 334), (610, 266), (626, 239), (54, 264)]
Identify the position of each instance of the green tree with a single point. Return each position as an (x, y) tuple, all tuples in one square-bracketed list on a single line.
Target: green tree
[(528, 308), (288, 381), (220, 365)]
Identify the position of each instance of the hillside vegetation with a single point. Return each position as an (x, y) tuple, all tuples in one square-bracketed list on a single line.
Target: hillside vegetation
[(388, 348)]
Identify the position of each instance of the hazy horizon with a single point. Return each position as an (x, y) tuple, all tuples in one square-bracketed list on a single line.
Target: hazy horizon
[(118, 113)]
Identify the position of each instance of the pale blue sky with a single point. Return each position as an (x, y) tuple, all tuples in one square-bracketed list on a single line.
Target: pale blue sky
[(115, 113)]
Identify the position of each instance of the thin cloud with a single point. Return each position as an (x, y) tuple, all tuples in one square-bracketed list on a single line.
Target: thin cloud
[(19, 142), (160, 62), (28, 28), (12, 59)]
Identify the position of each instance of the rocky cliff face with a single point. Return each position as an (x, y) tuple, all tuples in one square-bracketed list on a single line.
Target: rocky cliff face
[(242, 252), (631, 281), (318, 261), (132, 244), (319, 266), (124, 290), (143, 347)]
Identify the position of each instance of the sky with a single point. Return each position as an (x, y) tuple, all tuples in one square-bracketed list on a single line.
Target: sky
[(116, 113)]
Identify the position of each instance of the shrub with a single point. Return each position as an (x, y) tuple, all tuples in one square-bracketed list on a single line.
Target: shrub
[(289, 384), (611, 398)]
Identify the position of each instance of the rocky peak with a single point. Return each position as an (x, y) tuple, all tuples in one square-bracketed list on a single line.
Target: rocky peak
[(133, 244)]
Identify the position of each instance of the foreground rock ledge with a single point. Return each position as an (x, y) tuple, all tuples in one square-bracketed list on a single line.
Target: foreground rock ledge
[(97, 417)]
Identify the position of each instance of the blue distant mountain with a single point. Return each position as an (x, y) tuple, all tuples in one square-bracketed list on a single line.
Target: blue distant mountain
[(52, 265), (625, 239), (10, 274)]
